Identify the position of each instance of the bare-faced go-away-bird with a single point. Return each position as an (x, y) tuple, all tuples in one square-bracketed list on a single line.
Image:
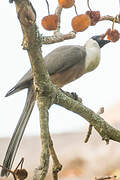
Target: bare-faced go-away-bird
[(64, 64)]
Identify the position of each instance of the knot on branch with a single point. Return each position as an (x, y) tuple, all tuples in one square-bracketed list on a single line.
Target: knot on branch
[(27, 15), (57, 168), (46, 93)]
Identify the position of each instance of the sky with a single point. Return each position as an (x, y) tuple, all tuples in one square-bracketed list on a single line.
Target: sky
[(98, 88)]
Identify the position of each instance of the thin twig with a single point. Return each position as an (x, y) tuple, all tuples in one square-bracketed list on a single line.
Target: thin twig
[(88, 3), (89, 133), (114, 22), (12, 172), (20, 163), (101, 111), (75, 9), (56, 164), (48, 7), (58, 12), (20, 174), (109, 18), (58, 38), (105, 178)]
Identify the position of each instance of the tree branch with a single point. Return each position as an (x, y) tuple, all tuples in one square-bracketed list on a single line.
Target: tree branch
[(110, 18), (42, 170), (106, 131), (58, 37), (56, 164), (44, 90)]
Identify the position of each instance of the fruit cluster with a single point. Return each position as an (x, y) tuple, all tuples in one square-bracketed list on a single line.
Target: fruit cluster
[(94, 16), (79, 22), (112, 35), (50, 22), (82, 22)]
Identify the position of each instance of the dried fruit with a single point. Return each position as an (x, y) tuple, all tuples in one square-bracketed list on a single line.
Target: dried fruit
[(50, 22), (66, 3), (81, 22), (113, 35), (94, 16), (21, 173)]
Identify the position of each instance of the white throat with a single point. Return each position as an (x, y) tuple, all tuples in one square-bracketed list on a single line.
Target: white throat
[(92, 55)]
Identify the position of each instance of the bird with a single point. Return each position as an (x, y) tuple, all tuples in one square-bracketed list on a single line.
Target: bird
[(64, 65)]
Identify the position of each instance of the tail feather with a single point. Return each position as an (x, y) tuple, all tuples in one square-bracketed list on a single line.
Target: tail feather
[(18, 133), (11, 91), (16, 88)]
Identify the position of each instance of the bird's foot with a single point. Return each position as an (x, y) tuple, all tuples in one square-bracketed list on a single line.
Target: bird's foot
[(75, 96)]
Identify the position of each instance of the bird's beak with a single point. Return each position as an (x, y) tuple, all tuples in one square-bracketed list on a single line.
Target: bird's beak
[(100, 40)]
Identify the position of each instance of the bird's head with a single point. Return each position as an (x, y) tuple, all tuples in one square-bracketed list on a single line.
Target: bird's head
[(101, 42)]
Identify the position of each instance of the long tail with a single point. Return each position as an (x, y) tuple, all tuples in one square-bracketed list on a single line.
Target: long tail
[(18, 133)]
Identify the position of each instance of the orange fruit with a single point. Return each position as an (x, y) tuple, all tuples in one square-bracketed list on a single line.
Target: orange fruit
[(50, 22), (66, 3), (81, 22)]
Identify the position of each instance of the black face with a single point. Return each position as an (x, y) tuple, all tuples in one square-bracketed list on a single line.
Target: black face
[(100, 41)]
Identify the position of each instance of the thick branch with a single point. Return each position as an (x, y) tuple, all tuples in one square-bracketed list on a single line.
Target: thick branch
[(31, 43), (44, 90), (42, 170), (103, 128)]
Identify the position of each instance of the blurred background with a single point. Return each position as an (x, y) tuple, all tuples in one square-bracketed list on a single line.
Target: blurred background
[(98, 88)]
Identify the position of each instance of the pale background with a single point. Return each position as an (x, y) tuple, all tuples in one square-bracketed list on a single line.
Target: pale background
[(98, 88)]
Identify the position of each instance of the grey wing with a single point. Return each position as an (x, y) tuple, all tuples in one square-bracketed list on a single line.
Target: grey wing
[(60, 59), (64, 57)]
